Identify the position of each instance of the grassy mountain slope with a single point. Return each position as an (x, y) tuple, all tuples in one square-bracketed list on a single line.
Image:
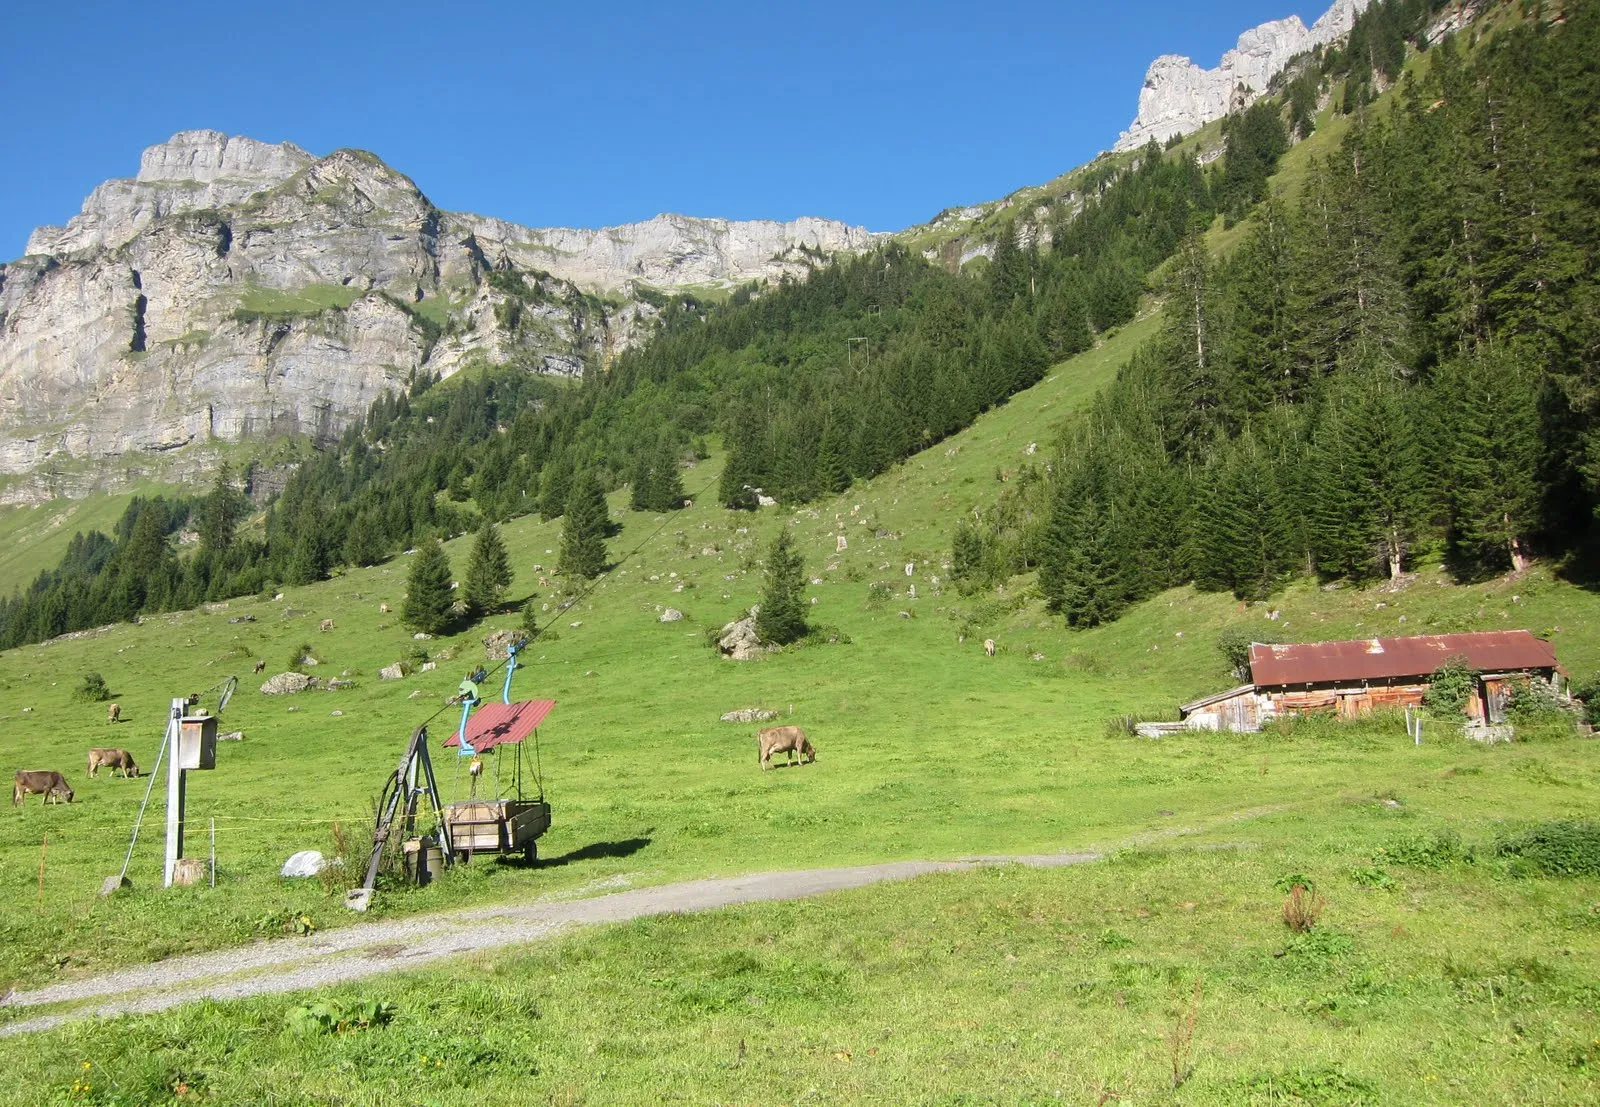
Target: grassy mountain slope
[(927, 748)]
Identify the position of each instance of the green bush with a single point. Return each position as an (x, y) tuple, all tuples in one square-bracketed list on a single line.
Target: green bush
[(93, 689), (1559, 847), (1588, 691), (1534, 701), (1450, 686), (297, 657), (1234, 646), (1421, 851)]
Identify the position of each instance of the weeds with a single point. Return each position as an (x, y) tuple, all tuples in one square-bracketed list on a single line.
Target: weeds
[(331, 1016), (93, 689), (1303, 909), (1180, 1039), (1424, 852), (1558, 847)]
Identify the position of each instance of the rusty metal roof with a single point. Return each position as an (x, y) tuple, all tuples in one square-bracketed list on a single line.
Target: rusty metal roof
[(1383, 658), (501, 724)]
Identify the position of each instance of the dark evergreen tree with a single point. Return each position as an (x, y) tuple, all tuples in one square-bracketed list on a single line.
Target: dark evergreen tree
[(665, 491), (782, 618), (427, 606), (584, 530), (488, 571)]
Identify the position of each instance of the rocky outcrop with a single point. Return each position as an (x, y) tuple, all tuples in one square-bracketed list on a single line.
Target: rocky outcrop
[(236, 288), (1179, 97)]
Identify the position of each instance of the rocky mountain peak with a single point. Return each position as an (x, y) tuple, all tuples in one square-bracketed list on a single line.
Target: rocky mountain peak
[(206, 156), (1178, 97)]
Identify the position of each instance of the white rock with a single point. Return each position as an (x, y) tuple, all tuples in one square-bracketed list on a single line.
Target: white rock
[(391, 672), (1179, 97), (671, 615), (308, 862)]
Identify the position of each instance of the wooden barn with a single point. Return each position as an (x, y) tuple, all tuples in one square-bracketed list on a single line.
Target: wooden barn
[(1352, 678)]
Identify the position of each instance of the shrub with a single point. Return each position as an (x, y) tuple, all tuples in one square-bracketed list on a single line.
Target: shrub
[(93, 689), (297, 657), (1450, 686), (1303, 909), (1588, 691), (1559, 847), (1424, 852), (1534, 701), (1234, 646), (877, 594)]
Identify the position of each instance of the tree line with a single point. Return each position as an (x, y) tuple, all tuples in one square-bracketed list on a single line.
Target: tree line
[(1402, 363)]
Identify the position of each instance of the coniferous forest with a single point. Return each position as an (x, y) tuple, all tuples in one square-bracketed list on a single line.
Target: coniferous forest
[(1403, 360)]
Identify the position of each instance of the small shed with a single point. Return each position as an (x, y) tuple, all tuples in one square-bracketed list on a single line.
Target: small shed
[(1353, 677)]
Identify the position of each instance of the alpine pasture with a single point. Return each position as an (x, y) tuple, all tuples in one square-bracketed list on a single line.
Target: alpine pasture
[(1440, 970)]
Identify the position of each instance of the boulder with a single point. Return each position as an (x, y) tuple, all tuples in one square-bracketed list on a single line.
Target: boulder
[(308, 862), (231, 736), (287, 684), (739, 641), (421, 636), (749, 715), (499, 643), (671, 615), (391, 672)]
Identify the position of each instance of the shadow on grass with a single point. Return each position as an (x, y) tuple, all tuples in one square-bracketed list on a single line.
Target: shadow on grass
[(594, 851)]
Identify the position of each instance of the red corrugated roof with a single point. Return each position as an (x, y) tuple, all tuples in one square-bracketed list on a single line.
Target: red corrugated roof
[(500, 724), (1383, 658)]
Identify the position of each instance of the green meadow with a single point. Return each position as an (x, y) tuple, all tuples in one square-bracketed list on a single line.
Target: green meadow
[(1441, 971)]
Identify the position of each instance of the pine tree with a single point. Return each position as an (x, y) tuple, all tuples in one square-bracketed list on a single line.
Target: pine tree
[(488, 570), (639, 473), (665, 484), (309, 561), (833, 472), (583, 533), (427, 606), (555, 486), (782, 617), (1490, 409), (220, 515), (362, 544)]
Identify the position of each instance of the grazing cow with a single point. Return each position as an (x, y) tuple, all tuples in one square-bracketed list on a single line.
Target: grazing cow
[(44, 782), (114, 713), (112, 759), (783, 739), (988, 646), (261, 666), (327, 624), (383, 609)]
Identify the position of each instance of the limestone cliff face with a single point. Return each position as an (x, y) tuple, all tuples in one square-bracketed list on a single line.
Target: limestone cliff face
[(1179, 97), (234, 288)]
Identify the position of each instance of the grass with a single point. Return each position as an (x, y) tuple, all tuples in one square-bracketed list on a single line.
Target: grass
[(313, 299), (34, 538), (1459, 983)]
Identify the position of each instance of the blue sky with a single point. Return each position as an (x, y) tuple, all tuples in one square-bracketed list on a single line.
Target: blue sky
[(576, 114)]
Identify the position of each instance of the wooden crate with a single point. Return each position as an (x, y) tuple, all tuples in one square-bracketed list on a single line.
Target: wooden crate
[(495, 826)]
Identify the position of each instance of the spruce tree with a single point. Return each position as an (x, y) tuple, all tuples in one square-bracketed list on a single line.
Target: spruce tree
[(427, 606), (488, 570), (639, 482), (362, 544), (554, 487), (782, 617), (833, 471), (583, 532), (665, 485)]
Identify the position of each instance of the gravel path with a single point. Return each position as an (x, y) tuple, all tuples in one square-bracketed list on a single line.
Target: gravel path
[(366, 949)]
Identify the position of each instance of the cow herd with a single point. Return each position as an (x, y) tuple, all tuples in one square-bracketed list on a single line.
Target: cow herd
[(53, 786)]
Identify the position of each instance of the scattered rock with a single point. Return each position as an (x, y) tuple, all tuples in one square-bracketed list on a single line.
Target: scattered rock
[(421, 637), (708, 551), (575, 623), (739, 641), (749, 715), (308, 862), (241, 618), (429, 666), (231, 736), (498, 644), (1036, 657), (335, 714), (391, 672), (114, 884), (671, 615), (292, 613), (590, 672), (415, 693), (287, 684), (339, 685)]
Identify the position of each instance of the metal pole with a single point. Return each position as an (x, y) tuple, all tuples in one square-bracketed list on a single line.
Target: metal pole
[(166, 741), (175, 794)]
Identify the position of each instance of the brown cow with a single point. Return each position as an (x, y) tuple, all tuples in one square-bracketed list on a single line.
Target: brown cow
[(114, 713), (44, 782), (784, 739), (327, 624), (988, 646), (112, 759), (261, 666)]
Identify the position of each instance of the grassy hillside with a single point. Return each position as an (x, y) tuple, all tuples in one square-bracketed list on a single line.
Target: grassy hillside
[(34, 538)]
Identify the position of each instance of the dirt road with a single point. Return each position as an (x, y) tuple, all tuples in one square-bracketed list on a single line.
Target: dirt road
[(366, 949)]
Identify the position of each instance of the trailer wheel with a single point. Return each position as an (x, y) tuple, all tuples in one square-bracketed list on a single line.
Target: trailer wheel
[(530, 854)]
